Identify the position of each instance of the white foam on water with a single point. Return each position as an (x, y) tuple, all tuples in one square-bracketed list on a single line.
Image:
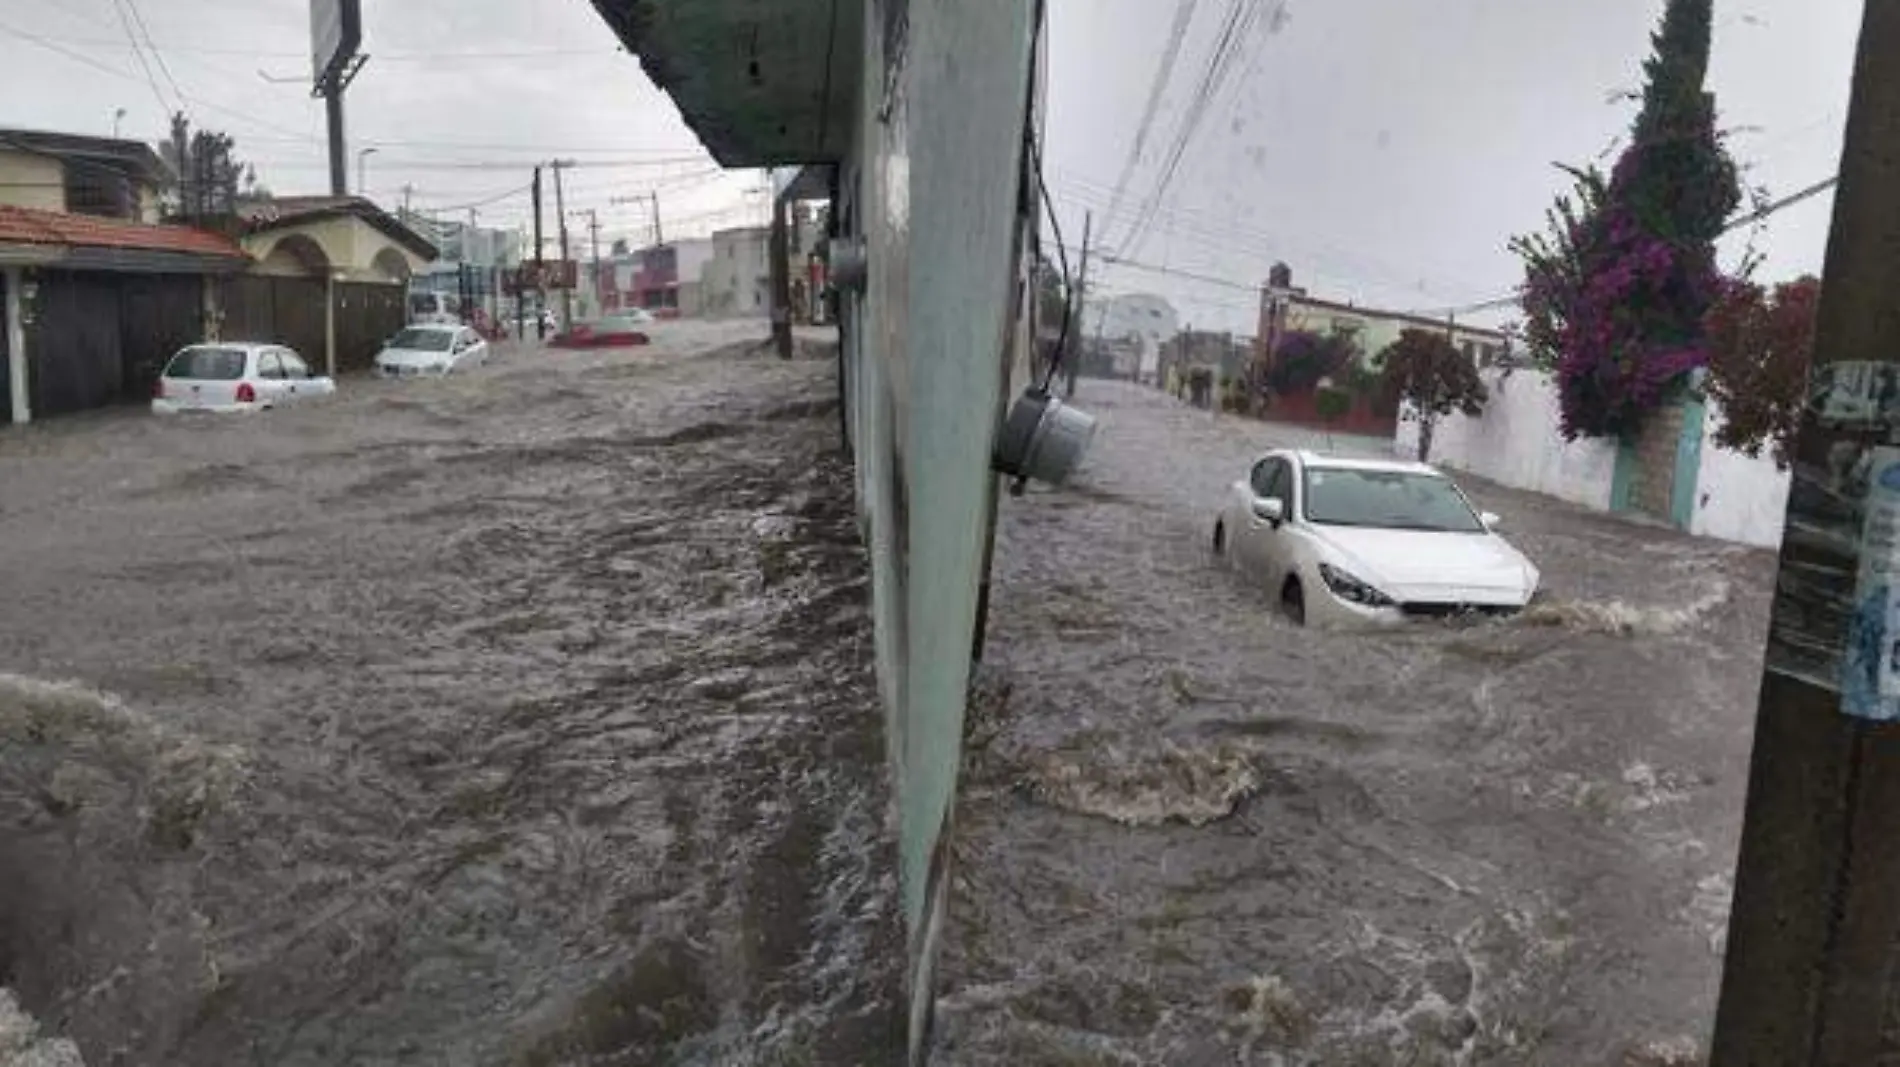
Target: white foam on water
[(1168, 783), (22, 1045), (1620, 617)]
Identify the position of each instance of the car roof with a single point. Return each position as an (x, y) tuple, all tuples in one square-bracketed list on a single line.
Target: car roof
[(1309, 458), (434, 326), (244, 346)]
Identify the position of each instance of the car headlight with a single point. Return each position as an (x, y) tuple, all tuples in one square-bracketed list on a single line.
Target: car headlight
[(1347, 587)]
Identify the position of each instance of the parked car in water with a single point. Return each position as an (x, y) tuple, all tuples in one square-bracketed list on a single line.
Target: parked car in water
[(432, 351), (614, 331), (1348, 541), (235, 377)]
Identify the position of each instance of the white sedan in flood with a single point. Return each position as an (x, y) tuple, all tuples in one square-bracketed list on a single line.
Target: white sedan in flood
[(235, 377), (431, 349), (1347, 541)]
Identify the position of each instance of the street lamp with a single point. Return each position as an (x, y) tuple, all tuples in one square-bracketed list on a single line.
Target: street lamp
[(362, 187)]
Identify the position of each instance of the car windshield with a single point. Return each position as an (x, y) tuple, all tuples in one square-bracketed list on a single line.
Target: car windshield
[(1400, 500), (207, 364), (422, 340)]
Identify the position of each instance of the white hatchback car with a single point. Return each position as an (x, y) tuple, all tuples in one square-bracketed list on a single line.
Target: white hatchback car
[(431, 350), (1344, 541), (235, 377)]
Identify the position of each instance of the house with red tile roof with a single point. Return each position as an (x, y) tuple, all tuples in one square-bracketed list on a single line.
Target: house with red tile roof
[(96, 293)]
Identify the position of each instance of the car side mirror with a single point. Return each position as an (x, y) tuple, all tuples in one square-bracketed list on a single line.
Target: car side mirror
[(1490, 519), (1270, 509)]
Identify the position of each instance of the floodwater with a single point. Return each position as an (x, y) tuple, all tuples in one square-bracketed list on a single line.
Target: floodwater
[(528, 719), (523, 719), (1190, 833)]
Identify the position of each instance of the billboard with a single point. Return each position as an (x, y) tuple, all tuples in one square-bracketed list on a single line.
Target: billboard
[(336, 32)]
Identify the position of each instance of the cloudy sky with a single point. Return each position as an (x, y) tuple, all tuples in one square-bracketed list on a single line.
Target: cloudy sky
[(1386, 149), (460, 98)]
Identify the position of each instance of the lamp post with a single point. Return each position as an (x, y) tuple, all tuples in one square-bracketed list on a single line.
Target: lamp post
[(362, 186)]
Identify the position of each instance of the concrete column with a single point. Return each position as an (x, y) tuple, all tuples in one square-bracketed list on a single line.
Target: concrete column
[(16, 349), (329, 325)]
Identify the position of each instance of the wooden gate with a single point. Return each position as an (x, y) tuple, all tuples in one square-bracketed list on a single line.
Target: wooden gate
[(159, 314), (284, 311), (367, 314), (74, 343)]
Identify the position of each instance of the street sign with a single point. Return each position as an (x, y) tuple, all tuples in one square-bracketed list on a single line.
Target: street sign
[(550, 274)]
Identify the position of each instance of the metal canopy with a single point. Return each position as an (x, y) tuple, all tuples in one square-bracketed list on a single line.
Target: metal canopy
[(760, 83)]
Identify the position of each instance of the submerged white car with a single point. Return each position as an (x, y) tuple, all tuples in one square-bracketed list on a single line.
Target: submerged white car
[(1347, 541), (431, 349), (235, 377)]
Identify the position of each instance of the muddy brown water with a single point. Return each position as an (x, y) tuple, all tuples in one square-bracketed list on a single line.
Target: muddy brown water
[(1191, 833), (528, 719), (520, 719)]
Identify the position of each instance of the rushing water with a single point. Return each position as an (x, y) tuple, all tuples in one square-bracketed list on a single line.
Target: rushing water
[(1191, 833), (520, 719), (528, 719)]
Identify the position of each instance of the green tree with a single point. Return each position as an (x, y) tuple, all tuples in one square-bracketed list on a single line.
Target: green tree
[(1426, 371), (1616, 295)]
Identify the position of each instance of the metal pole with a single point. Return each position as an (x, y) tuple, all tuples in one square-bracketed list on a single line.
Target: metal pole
[(333, 110), (540, 279), (1812, 973), (659, 238), (1071, 353), (779, 249), (560, 221)]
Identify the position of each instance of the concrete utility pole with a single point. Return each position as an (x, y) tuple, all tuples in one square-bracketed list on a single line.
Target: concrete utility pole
[(540, 278), (1072, 344), (1812, 974), (362, 171), (333, 111), (659, 238), (560, 221), (781, 273), (593, 235)]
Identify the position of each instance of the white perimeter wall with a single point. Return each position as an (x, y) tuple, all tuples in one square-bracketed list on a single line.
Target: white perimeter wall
[(1516, 443)]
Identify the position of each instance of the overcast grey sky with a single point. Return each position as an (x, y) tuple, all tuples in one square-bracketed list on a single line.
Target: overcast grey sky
[(546, 80), (1386, 149)]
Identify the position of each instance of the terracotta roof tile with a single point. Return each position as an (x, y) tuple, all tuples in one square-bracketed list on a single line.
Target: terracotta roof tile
[(20, 225)]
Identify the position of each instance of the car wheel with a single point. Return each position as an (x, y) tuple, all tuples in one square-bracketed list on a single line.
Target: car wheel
[(1220, 539), (1293, 602)]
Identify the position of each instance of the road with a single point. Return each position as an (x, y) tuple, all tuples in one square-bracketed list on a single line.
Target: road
[(523, 718), (1190, 833)]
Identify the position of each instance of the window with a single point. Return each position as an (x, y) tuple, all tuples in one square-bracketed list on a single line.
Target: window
[(270, 366), (1270, 479), (207, 365), (1387, 499), (294, 366)]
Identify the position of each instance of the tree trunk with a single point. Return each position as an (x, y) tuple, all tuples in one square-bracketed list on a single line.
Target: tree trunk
[(1425, 426)]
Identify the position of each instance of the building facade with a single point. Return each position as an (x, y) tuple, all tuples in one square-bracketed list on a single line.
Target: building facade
[(736, 282), (1131, 328)]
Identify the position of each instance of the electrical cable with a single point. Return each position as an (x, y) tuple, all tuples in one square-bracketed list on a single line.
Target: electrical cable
[(1183, 15), (1062, 256), (139, 54), (152, 46)]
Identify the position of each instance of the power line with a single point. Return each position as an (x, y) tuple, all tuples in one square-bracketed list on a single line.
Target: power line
[(1736, 223), (1183, 15), (139, 54), (133, 7)]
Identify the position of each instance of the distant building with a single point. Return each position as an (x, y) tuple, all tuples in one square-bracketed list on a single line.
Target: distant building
[(1225, 352), (1285, 308), (658, 278), (1132, 327), (737, 280)]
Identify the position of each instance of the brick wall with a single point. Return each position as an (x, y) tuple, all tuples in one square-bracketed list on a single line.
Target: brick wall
[(1653, 478)]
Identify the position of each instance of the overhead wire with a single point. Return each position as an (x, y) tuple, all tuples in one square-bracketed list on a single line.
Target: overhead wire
[(151, 46), (139, 54), (1157, 89)]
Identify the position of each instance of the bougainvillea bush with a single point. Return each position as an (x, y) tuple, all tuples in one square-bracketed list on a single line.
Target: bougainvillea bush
[(1615, 294), (1303, 358), (1760, 343)]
